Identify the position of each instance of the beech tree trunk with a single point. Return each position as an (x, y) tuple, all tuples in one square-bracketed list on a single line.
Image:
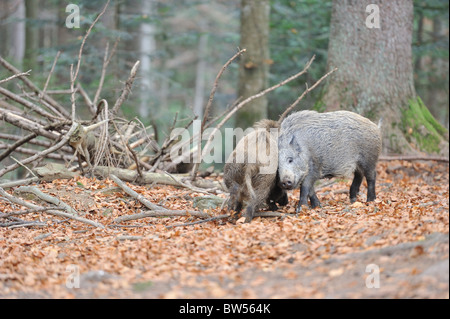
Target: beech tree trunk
[(31, 35), (13, 32), (147, 47), (372, 50), (254, 64), (199, 97)]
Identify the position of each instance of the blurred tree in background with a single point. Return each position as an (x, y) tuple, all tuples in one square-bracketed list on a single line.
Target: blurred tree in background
[(430, 52), (254, 66)]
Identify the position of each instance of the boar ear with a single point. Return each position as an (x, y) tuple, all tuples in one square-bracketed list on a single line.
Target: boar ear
[(293, 142)]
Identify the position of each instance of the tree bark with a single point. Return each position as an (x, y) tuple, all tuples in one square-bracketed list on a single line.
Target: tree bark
[(147, 45), (31, 35), (199, 97), (13, 32), (375, 76), (254, 65)]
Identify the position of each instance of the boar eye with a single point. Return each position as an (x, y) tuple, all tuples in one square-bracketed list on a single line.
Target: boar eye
[(290, 160)]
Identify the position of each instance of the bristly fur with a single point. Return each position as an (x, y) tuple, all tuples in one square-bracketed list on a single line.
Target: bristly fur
[(266, 124), (322, 145), (245, 182)]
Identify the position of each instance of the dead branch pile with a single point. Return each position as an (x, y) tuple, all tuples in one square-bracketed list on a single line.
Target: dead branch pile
[(41, 127)]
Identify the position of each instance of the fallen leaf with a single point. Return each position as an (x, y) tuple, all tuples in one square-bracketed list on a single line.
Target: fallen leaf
[(336, 272)]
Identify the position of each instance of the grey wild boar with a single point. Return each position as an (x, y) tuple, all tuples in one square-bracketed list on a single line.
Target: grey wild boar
[(315, 145), (250, 172)]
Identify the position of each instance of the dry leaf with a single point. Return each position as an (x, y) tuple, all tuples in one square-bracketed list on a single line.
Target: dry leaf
[(336, 272)]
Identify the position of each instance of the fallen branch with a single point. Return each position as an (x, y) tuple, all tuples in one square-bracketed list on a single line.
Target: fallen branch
[(152, 178), (45, 144), (162, 213), (34, 88), (46, 197), (12, 147), (191, 187), (57, 146), (24, 224), (19, 182), (29, 211), (414, 158), (156, 211), (135, 195), (33, 107), (270, 214), (26, 124), (60, 157), (200, 221), (15, 76), (21, 202)]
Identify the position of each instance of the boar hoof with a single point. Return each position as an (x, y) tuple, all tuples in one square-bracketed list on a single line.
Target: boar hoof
[(249, 214), (315, 202), (273, 207), (283, 201), (315, 205)]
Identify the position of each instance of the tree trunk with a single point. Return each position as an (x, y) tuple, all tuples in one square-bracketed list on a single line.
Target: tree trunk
[(375, 76), (147, 47), (31, 35), (13, 32), (199, 98), (438, 79), (254, 65)]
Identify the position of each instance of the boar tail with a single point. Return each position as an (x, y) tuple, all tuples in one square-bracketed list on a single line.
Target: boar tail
[(248, 182), (380, 123)]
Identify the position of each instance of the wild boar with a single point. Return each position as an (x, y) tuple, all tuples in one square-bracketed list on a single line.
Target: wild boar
[(250, 172), (313, 146)]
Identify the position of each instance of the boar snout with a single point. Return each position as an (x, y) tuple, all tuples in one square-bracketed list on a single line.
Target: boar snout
[(286, 184)]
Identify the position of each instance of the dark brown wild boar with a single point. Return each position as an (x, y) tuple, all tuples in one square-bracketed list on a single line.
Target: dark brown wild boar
[(250, 172)]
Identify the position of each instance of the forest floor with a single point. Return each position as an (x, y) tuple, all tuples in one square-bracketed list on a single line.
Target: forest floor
[(395, 247)]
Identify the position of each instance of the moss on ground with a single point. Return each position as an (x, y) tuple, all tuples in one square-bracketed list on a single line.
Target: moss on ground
[(421, 127)]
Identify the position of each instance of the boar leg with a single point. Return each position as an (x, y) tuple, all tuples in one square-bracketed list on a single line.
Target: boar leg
[(305, 189), (283, 199), (235, 198), (277, 195), (262, 192), (250, 213), (371, 177), (315, 202), (272, 205), (354, 188), (252, 208), (238, 207)]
